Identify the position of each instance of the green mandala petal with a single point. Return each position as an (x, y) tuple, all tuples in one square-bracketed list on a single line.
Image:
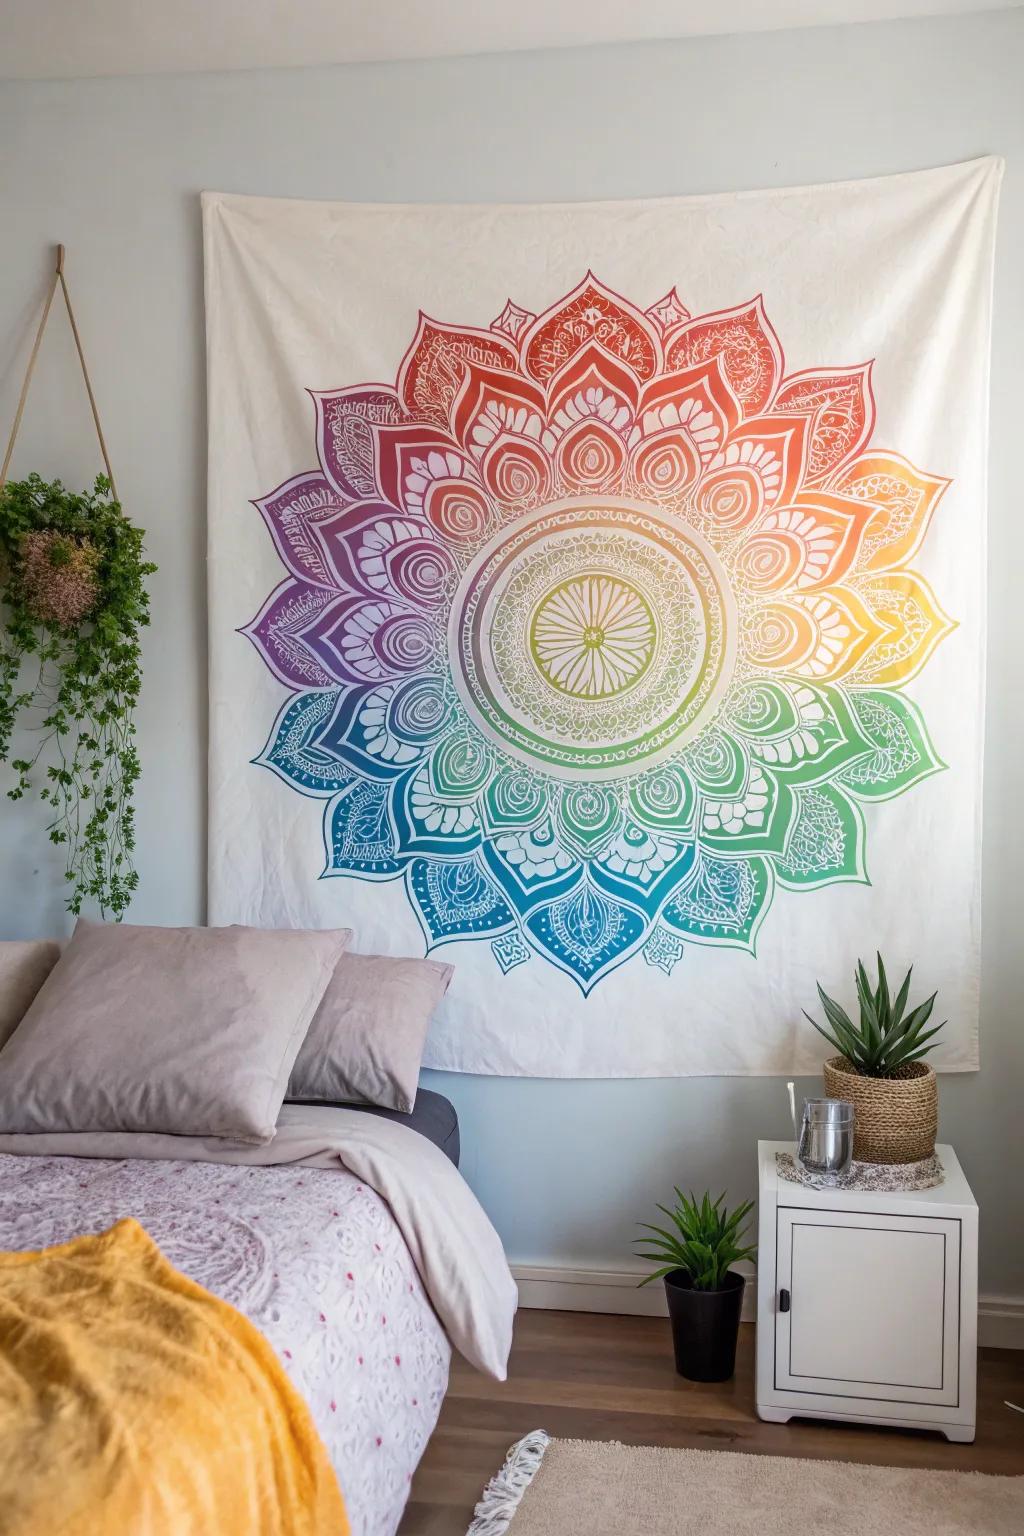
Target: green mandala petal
[(718, 764), (589, 817), (903, 754), (460, 766), (513, 799), (294, 753), (757, 820), (804, 733), (664, 800), (826, 843)]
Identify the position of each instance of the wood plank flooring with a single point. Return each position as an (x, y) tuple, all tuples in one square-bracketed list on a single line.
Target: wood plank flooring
[(594, 1377)]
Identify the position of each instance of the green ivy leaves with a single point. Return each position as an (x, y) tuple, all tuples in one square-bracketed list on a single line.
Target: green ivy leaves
[(87, 677)]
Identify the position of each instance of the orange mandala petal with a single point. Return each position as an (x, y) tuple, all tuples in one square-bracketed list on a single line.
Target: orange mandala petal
[(904, 498)]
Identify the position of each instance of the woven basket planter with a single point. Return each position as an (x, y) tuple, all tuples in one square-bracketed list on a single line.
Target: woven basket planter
[(896, 1117)]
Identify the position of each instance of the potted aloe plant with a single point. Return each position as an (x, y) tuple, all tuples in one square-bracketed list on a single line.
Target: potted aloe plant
[(705, 1295), (879, 1069)]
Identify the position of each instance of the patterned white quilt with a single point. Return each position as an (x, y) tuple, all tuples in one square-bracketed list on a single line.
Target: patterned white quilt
[(313, 1257)]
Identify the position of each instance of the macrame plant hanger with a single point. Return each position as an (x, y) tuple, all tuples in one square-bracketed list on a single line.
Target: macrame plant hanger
[(58, 279)]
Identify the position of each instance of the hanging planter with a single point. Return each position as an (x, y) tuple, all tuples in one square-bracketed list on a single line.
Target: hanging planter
[(72, 602)]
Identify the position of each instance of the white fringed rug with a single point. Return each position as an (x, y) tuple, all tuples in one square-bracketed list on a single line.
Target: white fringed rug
[(559, 1487)]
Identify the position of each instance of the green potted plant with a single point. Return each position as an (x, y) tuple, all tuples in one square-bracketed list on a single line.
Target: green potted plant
[(880, 1070), (705, 1295), (72, 603)]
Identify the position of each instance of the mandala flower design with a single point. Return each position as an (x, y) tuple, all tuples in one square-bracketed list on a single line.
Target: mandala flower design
[(594, 628)]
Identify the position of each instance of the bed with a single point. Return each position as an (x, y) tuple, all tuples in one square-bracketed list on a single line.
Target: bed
[(350, 1240)]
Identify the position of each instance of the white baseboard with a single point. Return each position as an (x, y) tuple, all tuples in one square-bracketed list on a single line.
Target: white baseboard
[(602, 1290), (1001, 1321), (1000, 1318)]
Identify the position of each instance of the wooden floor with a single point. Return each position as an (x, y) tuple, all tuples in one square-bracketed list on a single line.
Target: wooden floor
[(594, 1377)]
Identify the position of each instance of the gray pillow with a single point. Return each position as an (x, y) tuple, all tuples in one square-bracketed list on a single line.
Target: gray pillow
[(366, 1042), (24, 966), (188, 1031)]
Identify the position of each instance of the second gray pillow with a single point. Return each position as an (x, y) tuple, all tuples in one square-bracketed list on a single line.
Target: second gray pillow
[(366, 1041)]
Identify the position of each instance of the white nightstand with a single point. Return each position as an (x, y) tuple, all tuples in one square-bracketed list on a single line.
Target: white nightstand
[(867, 1304)]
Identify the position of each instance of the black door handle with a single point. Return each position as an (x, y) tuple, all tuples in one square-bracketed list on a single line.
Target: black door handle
[(783, 1301)]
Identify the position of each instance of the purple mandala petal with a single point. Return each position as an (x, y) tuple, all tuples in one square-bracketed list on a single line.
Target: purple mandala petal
[(344, 438), (373, 550), (367, 640), (292, 513), (278, 632)]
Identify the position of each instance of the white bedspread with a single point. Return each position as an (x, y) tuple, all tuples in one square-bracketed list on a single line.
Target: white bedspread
[(339, 1279)]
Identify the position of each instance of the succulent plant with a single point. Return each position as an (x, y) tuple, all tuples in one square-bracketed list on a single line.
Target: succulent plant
[(886, 1037), (707, 1240)]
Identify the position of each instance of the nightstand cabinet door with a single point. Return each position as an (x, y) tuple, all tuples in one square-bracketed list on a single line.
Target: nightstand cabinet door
[(872, 1309)]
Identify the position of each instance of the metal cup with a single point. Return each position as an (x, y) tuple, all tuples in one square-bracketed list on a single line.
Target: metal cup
[(826, 1137)]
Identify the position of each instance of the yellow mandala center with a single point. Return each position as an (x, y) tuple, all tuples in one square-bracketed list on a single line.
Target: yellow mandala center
[(593, 636)]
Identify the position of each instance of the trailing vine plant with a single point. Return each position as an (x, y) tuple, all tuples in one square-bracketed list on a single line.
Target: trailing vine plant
[(72, 602)]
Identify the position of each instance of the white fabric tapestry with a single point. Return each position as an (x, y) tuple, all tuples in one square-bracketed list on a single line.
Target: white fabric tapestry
[(597, 598)]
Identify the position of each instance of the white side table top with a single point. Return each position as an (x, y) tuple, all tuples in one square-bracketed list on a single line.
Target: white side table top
[(954, 1191)]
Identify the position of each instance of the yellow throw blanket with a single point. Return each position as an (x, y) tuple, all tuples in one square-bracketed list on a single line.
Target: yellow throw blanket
[(134, 1403)]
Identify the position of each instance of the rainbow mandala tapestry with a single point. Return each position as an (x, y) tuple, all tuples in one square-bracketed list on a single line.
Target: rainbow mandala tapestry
[(597, 593)]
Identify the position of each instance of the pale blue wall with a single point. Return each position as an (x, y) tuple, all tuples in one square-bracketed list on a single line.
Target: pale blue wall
[(113, 168)]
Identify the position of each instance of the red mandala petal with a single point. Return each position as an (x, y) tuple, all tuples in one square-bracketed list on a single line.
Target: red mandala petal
[(668, 312), (590, 457), (408, 458), (344, 438), (591, 314), (459, 511), (513, 320), (432, 369), (745, 345), (279, 633), (666, 464), (593, 383), (762, 465), (490, 402), (697, 401), (292, 513), (841, 409), (516, 472)]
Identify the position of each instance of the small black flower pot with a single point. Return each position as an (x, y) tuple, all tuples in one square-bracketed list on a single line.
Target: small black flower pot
[(705, 1325)]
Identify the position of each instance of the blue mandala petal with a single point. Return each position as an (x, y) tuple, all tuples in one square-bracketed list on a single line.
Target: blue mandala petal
[(380, 731), (531, 867), (586, 934), (643, 868), (663, 950), (359, 835), (426, 825), (294, 752), (723, 903), (456, 901), (510, 950), (513, 800)]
